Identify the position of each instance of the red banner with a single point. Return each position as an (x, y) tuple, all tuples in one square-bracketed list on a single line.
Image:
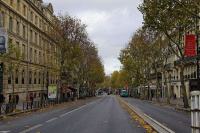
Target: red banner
[(126, 85), (190, 45), (91, 83)]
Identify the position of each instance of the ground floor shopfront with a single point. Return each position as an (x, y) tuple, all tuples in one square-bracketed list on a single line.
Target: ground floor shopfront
[(28, 80)]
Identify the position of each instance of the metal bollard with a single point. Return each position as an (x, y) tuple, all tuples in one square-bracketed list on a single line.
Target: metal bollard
[(195, 111)]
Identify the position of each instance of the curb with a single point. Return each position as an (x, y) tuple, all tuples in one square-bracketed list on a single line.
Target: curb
[(16, 113), (171, 105), (36, 109), (183, 109)]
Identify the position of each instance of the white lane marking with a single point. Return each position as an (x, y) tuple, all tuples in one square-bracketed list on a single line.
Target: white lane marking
[(4, 131), (32, 128), (76, 109), (51, 120)]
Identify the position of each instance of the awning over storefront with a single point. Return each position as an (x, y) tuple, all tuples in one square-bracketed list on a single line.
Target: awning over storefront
[(72, 88)]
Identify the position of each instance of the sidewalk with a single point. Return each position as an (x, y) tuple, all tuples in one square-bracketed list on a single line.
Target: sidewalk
[(175, 103)]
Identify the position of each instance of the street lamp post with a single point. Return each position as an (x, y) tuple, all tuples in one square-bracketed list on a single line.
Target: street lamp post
[(195, 95)]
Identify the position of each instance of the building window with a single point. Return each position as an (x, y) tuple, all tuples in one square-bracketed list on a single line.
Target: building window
[(36, 38), (24, 10), (16, 77), (24, 31), (2, 19), (40, 23), (30, 77), (11, 2), (23, 51), (32, 16), (36, 20), (9, 78), (35, 75), (39, 78), (31, 35), (23, 77), (10, 24), (44, 58), (18, 5), (30, 54), (35, 56), (43, 79), (17, 28), (39, 57), (39, 40)]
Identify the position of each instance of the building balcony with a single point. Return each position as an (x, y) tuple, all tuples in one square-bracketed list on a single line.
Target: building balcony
[(191, 59), (168, 66)]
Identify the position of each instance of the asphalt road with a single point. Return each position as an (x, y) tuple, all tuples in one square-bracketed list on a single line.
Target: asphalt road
[(179, 122), (105, 115)]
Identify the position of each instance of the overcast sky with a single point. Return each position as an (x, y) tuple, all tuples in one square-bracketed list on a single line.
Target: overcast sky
[(110, 24)]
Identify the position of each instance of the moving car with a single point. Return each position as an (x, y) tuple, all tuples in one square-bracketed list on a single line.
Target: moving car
[(124, 93)]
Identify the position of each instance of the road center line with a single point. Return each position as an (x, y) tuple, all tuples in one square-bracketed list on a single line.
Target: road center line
[(76, 109), (51, 120), (32, 128)]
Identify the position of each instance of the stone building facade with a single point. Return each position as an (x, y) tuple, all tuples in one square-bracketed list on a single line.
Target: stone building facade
[(30, 28)]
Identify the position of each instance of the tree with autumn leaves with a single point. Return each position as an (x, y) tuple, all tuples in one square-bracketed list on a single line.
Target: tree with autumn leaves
[(174, 19), (165, 25), (78, 55)]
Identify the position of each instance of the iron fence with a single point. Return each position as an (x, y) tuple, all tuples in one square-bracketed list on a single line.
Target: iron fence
[(7, 108), (40, 104)]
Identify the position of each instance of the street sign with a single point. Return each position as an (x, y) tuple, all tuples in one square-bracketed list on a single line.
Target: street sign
[(3, 40), (190, 45)]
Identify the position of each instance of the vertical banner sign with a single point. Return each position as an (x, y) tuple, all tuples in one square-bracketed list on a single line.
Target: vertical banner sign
[(126, 85), (91, 83), (3, 40), (52, 92), (190, 45)]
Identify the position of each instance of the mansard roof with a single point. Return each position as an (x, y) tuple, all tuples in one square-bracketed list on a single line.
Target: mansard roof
[(48, 6)]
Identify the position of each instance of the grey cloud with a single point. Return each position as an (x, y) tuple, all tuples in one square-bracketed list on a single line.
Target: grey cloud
[(110, 24)]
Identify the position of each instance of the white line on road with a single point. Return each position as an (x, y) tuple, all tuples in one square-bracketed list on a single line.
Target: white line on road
[(76, 109), (51, 120), (4, 131), (32, 128)]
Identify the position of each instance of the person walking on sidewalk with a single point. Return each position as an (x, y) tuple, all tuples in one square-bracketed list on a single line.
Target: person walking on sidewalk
[(2, 98), (9, 98), (31, 96)]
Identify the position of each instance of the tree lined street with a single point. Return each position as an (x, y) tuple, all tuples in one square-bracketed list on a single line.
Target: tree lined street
[(100, 114)]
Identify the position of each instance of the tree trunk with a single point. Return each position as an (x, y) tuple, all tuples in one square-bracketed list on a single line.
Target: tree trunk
[(165, 77), (141, 92), (149, 98), (157, 85), (185, 99)]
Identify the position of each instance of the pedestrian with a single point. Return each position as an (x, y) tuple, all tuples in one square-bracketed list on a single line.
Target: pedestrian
[(9, 98), (174, 96), (46, 96), (2, 98), (17, 99), (31, 96)]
